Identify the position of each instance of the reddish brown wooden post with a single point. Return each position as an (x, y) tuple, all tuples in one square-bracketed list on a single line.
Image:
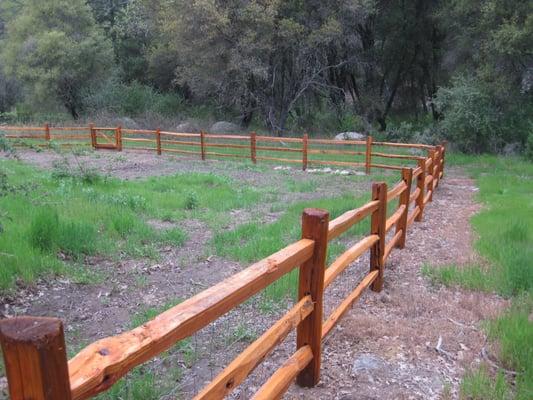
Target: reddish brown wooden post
[(158, 141), (377, 227), (202, 144), (93, 135), (305, 145), (118, 138), (314, 226), (368, 158), (253, 143), (444, 145), (407, 177), (433, 156), (420, 185), (35, 358), (47, 132)]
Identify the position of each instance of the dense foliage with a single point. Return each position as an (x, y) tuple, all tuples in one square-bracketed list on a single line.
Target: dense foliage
[(461, 68)]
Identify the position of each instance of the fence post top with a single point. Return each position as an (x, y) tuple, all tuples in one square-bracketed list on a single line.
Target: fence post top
[(35, 330), (316, 212)]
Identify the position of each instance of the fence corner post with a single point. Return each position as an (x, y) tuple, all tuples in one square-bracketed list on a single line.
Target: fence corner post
[(158, 141), (93, 135), (253, 144), (444, 145), (377, 227), (305, 145), (202, 144), (421, 184), (118, 138), (315, 223), (47, 132), (368, 154), (407, 177), (35, 358)]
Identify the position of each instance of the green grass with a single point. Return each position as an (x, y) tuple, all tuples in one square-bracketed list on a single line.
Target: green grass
[(50, 221), (505, 241)]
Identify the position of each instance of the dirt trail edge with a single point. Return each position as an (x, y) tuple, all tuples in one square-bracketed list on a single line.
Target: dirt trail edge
[(413, 340)]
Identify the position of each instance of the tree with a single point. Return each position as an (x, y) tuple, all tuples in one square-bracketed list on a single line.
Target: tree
[(55, 49)]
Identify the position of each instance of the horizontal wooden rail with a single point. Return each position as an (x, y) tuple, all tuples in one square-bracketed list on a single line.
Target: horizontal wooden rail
[(25, 136), (102, 363), (392, 243), (139, 140), (236, 372), (180, 142), (344, 222), (174, 134), (228, 145), (280, 381), (336, 152), (405, 145), (272, 148), (337, 314), (349, 256), (385, 166), (139, 131), (414, 195), (396, 191), (412, 216), (399, 156), (394, 218), (338, 142), (278, 139)]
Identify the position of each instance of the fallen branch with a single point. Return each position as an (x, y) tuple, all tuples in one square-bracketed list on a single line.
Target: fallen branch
[(441, 351)]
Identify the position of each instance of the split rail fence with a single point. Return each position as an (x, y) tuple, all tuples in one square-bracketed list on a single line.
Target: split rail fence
[(35, 351), (305, 151)]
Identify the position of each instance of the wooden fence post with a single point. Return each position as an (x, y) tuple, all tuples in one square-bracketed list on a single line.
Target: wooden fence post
[(368, 158), (377, 227), (158, 141), (305, 145), (202, 144), (420, 184), (432, 155), (118, 138), (407, 177), (93, 135), (47, 132), (35, 358), (311, 282), (444, 145), (253, 144)]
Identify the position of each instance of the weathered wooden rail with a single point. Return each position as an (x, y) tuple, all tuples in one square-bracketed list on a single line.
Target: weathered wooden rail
[(304, 151), (35, 351)]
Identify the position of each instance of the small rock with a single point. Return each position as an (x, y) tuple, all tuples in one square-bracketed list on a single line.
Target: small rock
[(366, 363)]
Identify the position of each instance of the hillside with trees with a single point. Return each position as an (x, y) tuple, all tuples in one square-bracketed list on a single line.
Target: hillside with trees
[(428, 70)]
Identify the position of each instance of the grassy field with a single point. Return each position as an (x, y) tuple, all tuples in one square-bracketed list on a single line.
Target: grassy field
[(505, 231)]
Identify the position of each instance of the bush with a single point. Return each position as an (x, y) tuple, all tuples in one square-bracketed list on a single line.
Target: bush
[(191, 201), (477, 120), (529, 147)]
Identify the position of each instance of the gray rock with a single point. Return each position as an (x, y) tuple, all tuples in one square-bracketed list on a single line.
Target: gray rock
[(125, 122), (366, 363), (350, 136), (187, 127), (512, 149), (224, 127)]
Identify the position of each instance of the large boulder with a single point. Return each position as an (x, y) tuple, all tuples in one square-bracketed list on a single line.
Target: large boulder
[(224, 127), (350, 136), (187, 127), (125, 122)]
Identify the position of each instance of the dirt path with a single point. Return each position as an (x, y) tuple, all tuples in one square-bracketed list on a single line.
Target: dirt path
[(385, 347)]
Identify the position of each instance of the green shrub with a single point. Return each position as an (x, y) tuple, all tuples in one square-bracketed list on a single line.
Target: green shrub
[(124, 223), (529, 147), (191, 200), (44, 229)]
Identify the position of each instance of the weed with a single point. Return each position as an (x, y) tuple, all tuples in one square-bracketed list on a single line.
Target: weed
[(478, 385), (174, 236), (191, 201), (44, 229)]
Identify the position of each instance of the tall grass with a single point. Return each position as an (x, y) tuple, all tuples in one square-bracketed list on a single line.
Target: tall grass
[(505, 230)]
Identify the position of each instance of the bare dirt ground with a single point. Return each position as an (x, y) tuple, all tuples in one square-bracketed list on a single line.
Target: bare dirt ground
[(385, 347)]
